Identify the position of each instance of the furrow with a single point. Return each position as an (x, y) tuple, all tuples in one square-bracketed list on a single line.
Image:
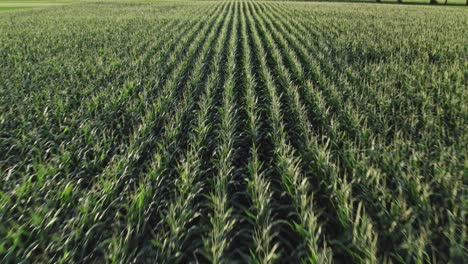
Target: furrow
[(367, 178), (364, 243), (222, 218), (118, 178), (304, 220), (57, 213), (263, 248), (174, 234)]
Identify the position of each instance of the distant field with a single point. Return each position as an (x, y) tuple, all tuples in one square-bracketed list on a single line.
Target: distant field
[(233, 132), (22, 4), (5, 8)]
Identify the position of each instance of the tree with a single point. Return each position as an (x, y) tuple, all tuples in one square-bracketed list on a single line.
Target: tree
[(433, 2)]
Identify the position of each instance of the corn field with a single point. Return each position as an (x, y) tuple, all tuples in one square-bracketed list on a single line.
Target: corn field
[(233, 132)]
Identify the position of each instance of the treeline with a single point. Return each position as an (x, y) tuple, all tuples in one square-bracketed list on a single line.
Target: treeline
[(431, 2), (422, 2)]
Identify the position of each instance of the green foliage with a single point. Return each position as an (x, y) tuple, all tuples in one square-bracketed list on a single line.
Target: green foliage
[(246, 131)]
